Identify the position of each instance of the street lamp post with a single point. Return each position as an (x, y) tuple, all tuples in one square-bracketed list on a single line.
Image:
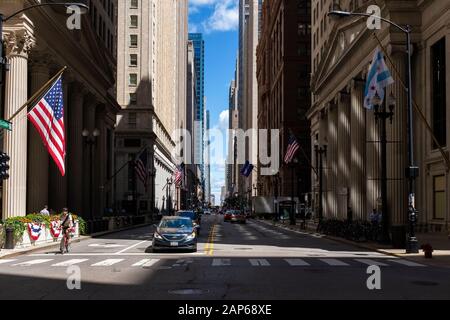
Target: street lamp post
[(90, 139), (320, 152), (412, 171), (381, 116), (152, 174)]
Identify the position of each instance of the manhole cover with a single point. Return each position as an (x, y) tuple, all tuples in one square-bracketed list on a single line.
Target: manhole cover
[(425, 283), (188, 291)]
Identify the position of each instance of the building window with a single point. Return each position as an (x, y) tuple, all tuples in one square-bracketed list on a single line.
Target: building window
[(132, 81), (133, 98), (134, 4), (133, 41), (132, 120), (439, 95), (133, 60), (439, 198), (133, 21)]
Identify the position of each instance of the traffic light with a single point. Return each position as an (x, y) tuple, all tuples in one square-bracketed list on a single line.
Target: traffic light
[(4, 166)]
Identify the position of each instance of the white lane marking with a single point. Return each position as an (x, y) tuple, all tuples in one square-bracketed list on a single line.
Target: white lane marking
[(221, 262), (259, 262), (107, 263), (7, 261), (69, 263), (32, 263), (370, 262), (146, 263), (297, 262), (407, 263), (131, 247), (105, 246), (334, 262), (104, 254)]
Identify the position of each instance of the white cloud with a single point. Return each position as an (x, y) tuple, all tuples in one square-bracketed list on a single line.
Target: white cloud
[(224, 18), (224, 120)]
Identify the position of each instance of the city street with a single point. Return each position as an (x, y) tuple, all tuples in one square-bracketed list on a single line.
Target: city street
[(234, 261)]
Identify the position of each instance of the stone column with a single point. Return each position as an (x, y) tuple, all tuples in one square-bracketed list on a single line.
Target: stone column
[(344, 153), (397, 148), (58, 183), (38, 157), (19, 40), (75, 148), (332, 158), (358, 151)]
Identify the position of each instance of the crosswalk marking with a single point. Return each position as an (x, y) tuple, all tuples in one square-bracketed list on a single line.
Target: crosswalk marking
[(7, 261), (107, 263), (69, 263), (407, 263), (334, 262), (32, 263), (145, 263), (221, 262), (297, 262), (259, 262), (371, 262)]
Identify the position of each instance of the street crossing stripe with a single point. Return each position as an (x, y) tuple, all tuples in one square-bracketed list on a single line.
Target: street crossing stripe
[(297, 262), (334, 262), (32, 262), (371, 262), (69, 263), (107, 263), (146, 263), (259, 262), (407, 263), (221, 262), (7, 261)]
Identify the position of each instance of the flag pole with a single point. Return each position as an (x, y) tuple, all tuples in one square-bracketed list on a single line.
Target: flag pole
[(38, 93)]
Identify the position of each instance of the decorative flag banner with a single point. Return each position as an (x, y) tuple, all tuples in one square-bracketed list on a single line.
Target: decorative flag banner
[(292, 148), (247, 169), (73, 229), (179, 175), (55, 229), (378, 79), (47, 116), (34, 230), (140, 166)]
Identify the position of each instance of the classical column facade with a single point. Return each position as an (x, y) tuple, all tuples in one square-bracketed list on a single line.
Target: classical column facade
[(75, 148), (58, 183), (397, 146), (358, 151), (332, 158), (19, 40), (38, 159), (344, 153)]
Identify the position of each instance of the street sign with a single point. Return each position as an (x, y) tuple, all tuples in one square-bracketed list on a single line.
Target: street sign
[(5, 125)]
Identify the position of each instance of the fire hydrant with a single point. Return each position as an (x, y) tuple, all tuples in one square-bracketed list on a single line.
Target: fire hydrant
[(428, 251)]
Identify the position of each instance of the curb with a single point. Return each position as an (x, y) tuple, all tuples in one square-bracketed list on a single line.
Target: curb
[(80, 239)]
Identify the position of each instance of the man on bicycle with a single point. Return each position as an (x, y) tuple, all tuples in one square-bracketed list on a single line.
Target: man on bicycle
[(66, 225)]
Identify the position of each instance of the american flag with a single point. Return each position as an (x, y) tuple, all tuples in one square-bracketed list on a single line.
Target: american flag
[(47, 116), (140, 166), (292, 148), (179, 175)]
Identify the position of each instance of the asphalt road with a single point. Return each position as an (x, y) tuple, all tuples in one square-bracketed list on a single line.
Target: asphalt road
[(234, 261)]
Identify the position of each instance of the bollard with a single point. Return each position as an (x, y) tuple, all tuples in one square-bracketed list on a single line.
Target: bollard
[(9, 238)]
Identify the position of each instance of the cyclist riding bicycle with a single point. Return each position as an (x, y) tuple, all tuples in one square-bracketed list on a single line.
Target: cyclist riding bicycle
[(66, 224)]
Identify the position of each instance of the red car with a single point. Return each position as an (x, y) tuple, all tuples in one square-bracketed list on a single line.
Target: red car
[(235, 216)]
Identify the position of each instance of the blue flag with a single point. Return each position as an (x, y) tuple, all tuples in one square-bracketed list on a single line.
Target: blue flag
[(247, 169)]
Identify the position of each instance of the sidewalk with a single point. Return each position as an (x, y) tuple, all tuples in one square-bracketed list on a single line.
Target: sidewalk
[(6, 253), (439, 241)]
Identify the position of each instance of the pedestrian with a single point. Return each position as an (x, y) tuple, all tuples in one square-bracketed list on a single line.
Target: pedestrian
[(374, 217), (45, 211), (66, 221)]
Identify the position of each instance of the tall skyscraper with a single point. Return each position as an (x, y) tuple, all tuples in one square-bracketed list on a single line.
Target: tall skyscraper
[(151, 89), (207, 155), (199, 59)]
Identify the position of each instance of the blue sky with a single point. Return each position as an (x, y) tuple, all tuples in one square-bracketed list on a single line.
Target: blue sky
[(218, 20)]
